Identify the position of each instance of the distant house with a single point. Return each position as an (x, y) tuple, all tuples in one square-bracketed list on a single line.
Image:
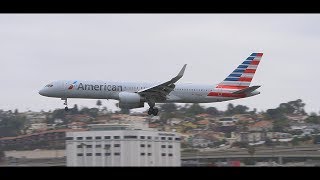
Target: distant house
[(203, 122), (203, 115), (77, 125), (244, 118), (227, 121), (297, 118), (38, 127), (252, 137), (58, 121), (261, 126), (174, 121)]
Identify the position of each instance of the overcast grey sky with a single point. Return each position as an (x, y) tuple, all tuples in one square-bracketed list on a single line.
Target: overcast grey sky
[(36, 49)]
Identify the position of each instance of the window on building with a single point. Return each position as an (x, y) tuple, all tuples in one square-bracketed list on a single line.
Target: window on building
[(177, 139), (88, 138), (89, 146), (149, 145), (156, 138), (98, 154), (117, 154), (98, 137), (116, 137), (169, 146), (142, 154), (107, 146), (107, 154), (170, 138), (130, 137), (149, 137), (163, 146), (79, 154), (142, 137), (149, 154), (142, 145), (89, 154), (163, 138), (69, 138), (116, 145), (170, 154), (107, 137), (163, 154), (79, 138), (79, 146), (98, 146)]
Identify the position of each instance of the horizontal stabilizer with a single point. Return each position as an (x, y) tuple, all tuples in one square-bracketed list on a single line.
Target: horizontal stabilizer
[(246, 90)]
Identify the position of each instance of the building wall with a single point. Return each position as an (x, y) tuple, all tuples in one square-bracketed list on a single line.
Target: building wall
[(129, 149)]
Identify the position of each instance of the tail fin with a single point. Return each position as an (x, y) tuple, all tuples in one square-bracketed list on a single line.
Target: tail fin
[(241, 77)]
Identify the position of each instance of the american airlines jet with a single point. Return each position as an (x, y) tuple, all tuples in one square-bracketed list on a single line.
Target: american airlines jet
[(135, 95)]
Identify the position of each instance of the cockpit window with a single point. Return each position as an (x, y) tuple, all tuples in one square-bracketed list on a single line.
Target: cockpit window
[(49, 85)]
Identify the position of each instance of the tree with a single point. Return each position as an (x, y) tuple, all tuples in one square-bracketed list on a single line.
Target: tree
[(279, 125), (75, 109), (240, 109), (313, 118), (212, 111), (229, 110), (275, 114), (293, 107), (168, 107), (99, 103), (195, 109), (11, 125)]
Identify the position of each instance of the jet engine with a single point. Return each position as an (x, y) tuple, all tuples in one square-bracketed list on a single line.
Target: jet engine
[(128, 100)]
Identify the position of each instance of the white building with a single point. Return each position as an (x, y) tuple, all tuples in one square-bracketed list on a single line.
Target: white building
[(38, 126), (122, 145)]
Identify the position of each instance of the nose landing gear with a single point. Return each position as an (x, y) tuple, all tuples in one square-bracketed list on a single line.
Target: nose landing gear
[(65, 103)]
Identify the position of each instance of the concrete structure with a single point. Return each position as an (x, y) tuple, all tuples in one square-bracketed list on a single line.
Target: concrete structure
[(122, 145)]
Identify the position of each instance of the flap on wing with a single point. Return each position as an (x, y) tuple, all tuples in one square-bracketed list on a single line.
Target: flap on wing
[(246, 90)]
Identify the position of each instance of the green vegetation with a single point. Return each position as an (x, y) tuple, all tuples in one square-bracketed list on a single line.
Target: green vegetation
[(11, 124)]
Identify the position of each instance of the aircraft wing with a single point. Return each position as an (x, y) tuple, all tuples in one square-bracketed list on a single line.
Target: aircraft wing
[(246, 90), (160, 91)]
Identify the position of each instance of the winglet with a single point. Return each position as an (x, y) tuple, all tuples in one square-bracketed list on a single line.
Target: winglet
[(175, 79)]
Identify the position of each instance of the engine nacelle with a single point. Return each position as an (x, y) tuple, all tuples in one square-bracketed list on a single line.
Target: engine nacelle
[(130, 100)]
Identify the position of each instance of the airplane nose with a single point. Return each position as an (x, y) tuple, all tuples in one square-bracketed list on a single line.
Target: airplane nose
[(41, 92)]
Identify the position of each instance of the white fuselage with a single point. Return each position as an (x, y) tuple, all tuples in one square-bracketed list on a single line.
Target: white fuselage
[(182, 93)]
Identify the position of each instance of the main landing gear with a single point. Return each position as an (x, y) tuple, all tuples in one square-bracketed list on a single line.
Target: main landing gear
[(152, 109), (65, 103)]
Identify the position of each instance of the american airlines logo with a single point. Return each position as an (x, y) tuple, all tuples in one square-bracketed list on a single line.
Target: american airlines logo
[(72, 85), (100, 87)]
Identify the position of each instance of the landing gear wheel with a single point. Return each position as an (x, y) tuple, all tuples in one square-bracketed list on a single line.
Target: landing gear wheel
[(155, 112), (66, 108)]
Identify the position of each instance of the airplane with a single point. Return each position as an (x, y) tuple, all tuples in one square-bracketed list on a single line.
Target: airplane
[(134, 95)]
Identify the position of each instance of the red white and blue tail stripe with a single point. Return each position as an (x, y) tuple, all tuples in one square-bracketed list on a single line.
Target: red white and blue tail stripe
[(242, 76)]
